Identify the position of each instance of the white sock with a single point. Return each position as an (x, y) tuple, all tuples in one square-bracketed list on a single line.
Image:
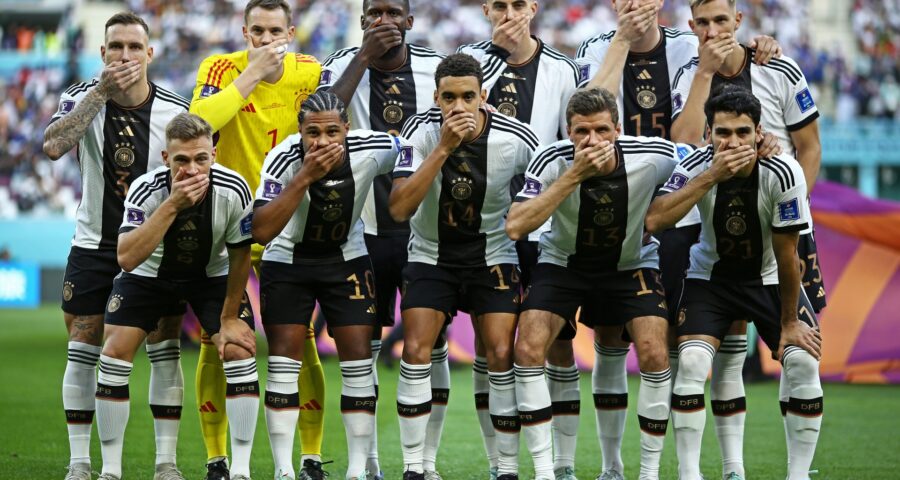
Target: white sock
[(440, 395), (282, 411), (78, 389), (372, 463), (535, 415), (804, 411), (688, 406), (413, 410), (653, 417), (358, 412), (610, 387), (565, 396), (112, 411), (482, 409), (784, 396), (728, 403), (505, 417), (166, 396), (673, 361), (242, 405)]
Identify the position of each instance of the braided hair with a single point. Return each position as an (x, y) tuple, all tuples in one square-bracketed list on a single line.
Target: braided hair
[(323, 101)]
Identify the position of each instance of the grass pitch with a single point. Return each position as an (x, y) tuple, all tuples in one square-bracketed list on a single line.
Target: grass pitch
[(860, 439)]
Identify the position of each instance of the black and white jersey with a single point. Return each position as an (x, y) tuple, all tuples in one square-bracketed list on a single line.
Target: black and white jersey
[(739, 216), (645, 96), (382, 102), (462, 219), (120, 145), (549, 77), (195, 245), (326, 227), (600, 225), (780, 86)]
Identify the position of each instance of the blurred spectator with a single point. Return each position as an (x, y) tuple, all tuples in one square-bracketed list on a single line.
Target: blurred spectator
[(183, 32)]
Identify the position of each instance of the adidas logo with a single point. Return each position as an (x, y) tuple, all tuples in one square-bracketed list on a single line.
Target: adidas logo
[(208, 407), (311, 405), (464, 168), (821, 293), (189, 226), (371, 309), (249, 108), (605, 199), (333, 195), (394, 90), (510, 88), (127, 132), (662, 305), (736, 202), (644, 75)]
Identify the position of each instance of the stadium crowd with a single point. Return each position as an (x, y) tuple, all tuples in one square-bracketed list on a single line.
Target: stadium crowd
[(845, 87)]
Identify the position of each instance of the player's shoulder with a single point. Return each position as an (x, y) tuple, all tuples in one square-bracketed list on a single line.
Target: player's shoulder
[(424, 52), (305, 58), (362, 140), (559, 57), (562, 151), (341, 57), (154, 182), (782, 171), (698, 160), (681, 46), (475, 49), (596, 43), (428, 120), (283, 155), (171, 99), (676, 35), (637, 145), (80, 89), (230, 183), (217, 60), (514, 129), (784, 67)]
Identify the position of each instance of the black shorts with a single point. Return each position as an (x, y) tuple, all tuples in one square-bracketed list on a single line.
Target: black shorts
[(138, 301), (88, 280), (479, 290), (709, 308), (388, 255), (674, 260), (345, 291), (813, 282), (606, 299), (528, 253)]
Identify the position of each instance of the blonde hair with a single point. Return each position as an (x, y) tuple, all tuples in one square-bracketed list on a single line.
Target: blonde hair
[(187, 126), (697, 3)]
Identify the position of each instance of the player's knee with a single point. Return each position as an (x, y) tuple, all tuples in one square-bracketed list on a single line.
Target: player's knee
[(416, 352), (653, 355), (168, 328), (499, 353), (529, 351), (236, 352), (694, 364), (85, 328), (801, 367)]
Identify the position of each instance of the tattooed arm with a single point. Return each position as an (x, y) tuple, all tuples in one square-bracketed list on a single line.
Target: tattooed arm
[(63, 134)]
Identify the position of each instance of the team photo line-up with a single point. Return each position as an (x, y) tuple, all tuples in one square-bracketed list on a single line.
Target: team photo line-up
[(654, 189)]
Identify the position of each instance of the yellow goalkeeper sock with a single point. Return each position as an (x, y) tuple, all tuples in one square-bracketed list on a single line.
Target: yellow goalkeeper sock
[(312, 399), (210, 383)]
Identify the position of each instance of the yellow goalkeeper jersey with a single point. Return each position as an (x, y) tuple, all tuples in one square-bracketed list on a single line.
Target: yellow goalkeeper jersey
[(247, 128)]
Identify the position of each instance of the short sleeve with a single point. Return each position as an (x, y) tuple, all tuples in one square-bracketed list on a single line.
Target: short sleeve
[(667, 165), (139, 203), (388, 159), (240, 220), (790, 212), (542, 171), (681, 86), (276, 169), (413, 153), (690, 166), (590, 56), (333, 67), (67, 103), (798, 106)]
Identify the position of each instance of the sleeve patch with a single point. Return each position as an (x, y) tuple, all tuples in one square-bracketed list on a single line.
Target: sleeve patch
[(583, 72), (406, 157), (271, 189), (208, 90), (805, 100), (66, 106), (246, 224), (677, 102), (789, 210), (683, 152), (676, 182), (135, 216), (532, 187), (325, 78)]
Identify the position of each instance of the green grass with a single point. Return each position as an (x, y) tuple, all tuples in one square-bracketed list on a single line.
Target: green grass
[(860, 439)]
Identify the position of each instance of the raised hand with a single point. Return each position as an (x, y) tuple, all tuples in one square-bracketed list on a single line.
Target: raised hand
[(727, 163), (766, 47), (318, 161), (188, 191), (634, 21), (590, 160), (511, 32), (802, 335), (767, 146), (714, 51), (456, 127), (117, 77), (266, 59), (378, 39)]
